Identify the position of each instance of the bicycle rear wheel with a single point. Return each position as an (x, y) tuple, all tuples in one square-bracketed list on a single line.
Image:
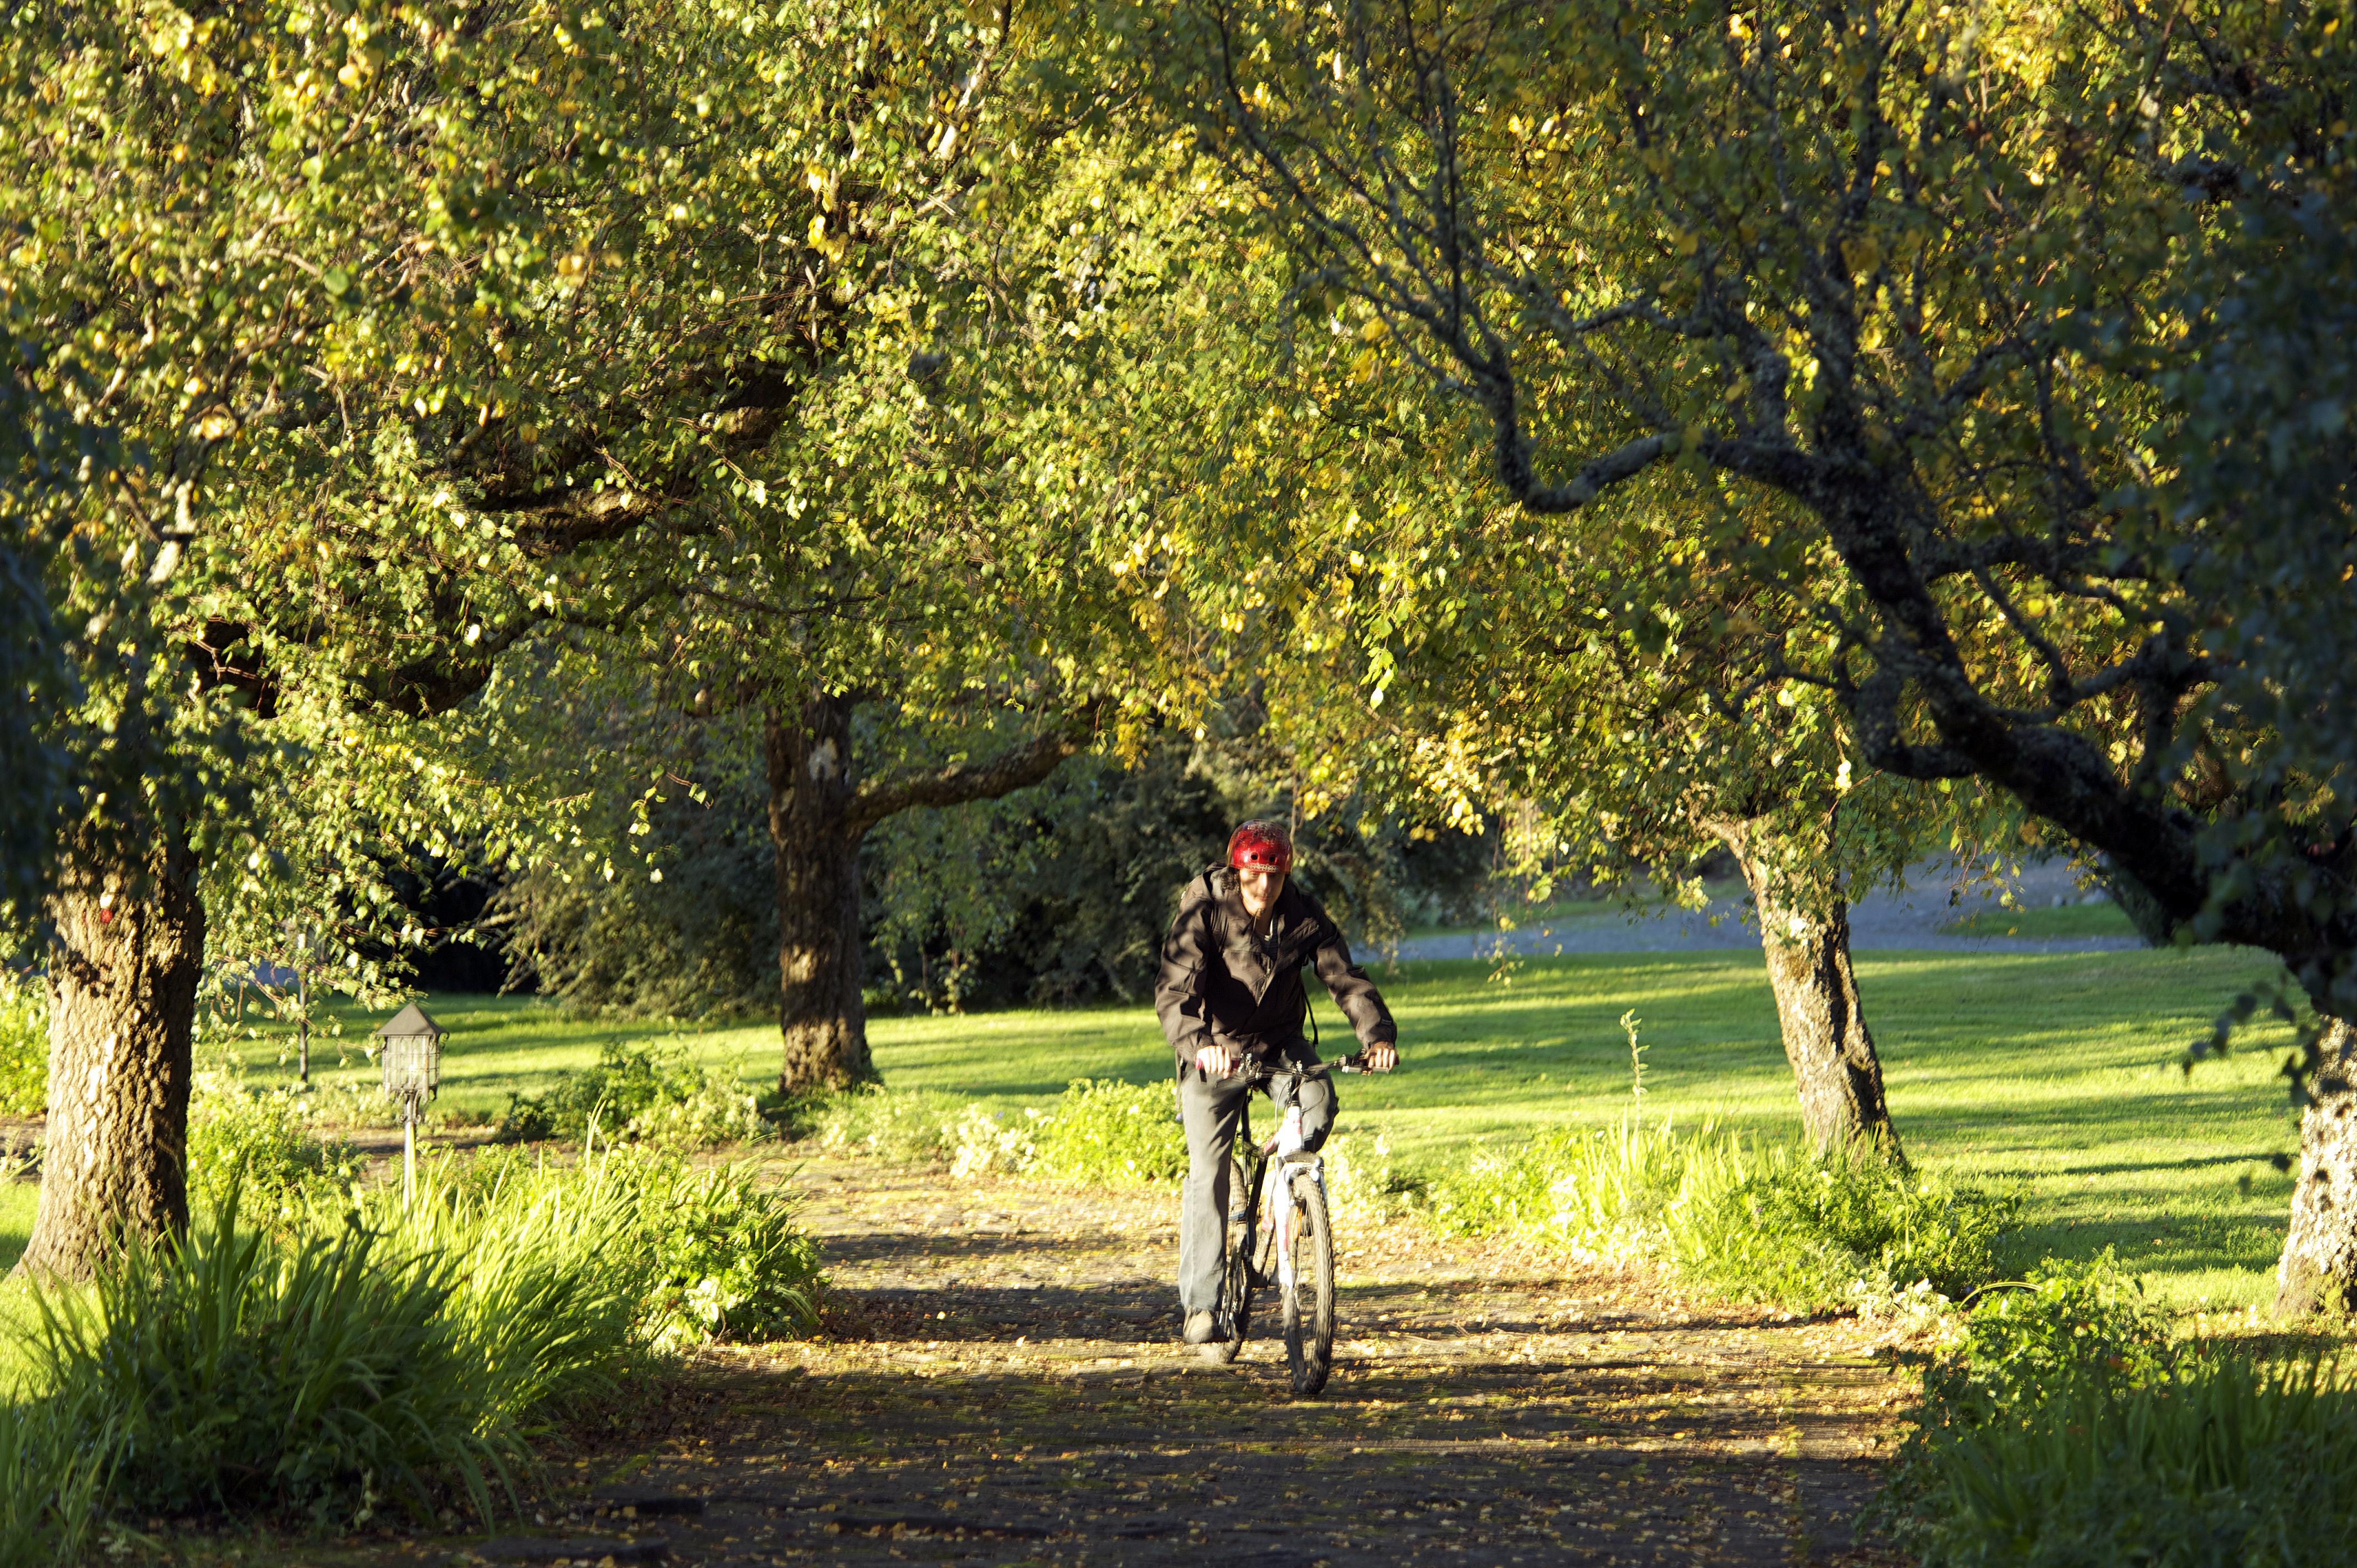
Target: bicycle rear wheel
[(1235, 1274), (1310, 1304)]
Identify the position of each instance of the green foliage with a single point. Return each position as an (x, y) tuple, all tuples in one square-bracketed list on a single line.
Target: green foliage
[(1696, 301), (2063, 1428), (259, 1142), (700, 943), (1109, 1133), (232, 1370), (363, 1351), (23, 1046), (729, 1261), (1806, 1232), (894, 1124), (53, 1473), (642, 1091), (1099, 1131), (2068, 1323), (1747, 1220)]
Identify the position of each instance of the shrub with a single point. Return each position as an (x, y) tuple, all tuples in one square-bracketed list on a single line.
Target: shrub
[(729, 1261), (1804, 1232), (1756, 1223), (2066, 1323), (2062, 1428), (260, 1139), (919, 1127), (1602, 1195), (984, 1143), (1366, 1189), (1103, 1131), (644, 1091), (232, 1370), (1111, 1133), (23, 1046), (372, 1349)]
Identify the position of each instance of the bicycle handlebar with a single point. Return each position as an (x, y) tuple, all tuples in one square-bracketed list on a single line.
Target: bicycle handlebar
[(1261, 1072)]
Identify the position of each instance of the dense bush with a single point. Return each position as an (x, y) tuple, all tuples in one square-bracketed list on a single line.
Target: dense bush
[(728, 1261), (262, 1140), (234, 1371), (642, 1091), (1109, 1133), (2063, 1429), (372, 1350), (1753, 1222), (24, 1045)]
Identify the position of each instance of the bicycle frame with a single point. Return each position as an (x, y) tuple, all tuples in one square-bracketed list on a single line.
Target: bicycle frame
[(1265, 1165)]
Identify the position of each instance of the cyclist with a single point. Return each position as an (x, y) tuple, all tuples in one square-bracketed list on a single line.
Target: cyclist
[(1231, 991)]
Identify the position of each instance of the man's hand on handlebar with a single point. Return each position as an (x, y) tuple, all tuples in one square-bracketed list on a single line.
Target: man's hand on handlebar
[(1381, 1058), (1215, 1061)]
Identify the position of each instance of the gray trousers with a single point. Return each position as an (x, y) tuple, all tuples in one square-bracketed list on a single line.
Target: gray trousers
[(1212, 1108)]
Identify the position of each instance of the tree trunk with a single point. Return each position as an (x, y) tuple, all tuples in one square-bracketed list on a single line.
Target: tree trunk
[(123, 966), (811, 794), (819, 813), (2319, 1267), (1805, 936)]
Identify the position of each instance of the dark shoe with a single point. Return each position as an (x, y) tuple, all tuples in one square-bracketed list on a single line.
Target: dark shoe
[(1201, 1328)]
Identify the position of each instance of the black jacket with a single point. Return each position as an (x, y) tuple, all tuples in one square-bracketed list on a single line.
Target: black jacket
[(1223, 983)]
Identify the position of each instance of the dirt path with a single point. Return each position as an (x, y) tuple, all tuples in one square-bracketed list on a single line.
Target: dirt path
[(1002, 1388)]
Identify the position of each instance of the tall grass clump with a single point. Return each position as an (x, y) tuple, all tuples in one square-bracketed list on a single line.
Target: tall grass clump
[(555, 1274), (52, 1482), (372, 1351), (233, 1371), (575, 1268), (1757, 1223), (2063, 1428)]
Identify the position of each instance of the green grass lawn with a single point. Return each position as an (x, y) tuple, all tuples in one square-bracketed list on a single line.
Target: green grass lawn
[(1588, 909), (2105, 920), (17, 1201), (2057, 1071)]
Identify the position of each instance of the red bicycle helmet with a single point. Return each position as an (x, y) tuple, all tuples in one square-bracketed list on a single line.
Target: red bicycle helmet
[(1261, 845)]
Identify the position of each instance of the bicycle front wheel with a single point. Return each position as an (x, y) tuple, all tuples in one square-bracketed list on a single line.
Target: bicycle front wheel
[(1235, 1274), (1309, 1299)]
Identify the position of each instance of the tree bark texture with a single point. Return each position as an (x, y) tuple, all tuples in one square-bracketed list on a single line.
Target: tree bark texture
[(1806, 941), (2318, 1266), (820, 1016), (124, 965)]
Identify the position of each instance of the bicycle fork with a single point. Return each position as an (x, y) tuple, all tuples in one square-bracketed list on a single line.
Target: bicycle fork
[(1284, 1151)]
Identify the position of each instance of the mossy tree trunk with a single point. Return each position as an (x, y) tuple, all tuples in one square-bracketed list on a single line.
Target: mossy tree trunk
[(124, 965), (1804, 933)]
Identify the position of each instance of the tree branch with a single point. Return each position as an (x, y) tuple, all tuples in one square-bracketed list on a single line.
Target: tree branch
[(987, 779)]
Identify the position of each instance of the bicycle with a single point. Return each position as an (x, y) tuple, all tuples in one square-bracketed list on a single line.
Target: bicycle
[(1296, 1256)]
